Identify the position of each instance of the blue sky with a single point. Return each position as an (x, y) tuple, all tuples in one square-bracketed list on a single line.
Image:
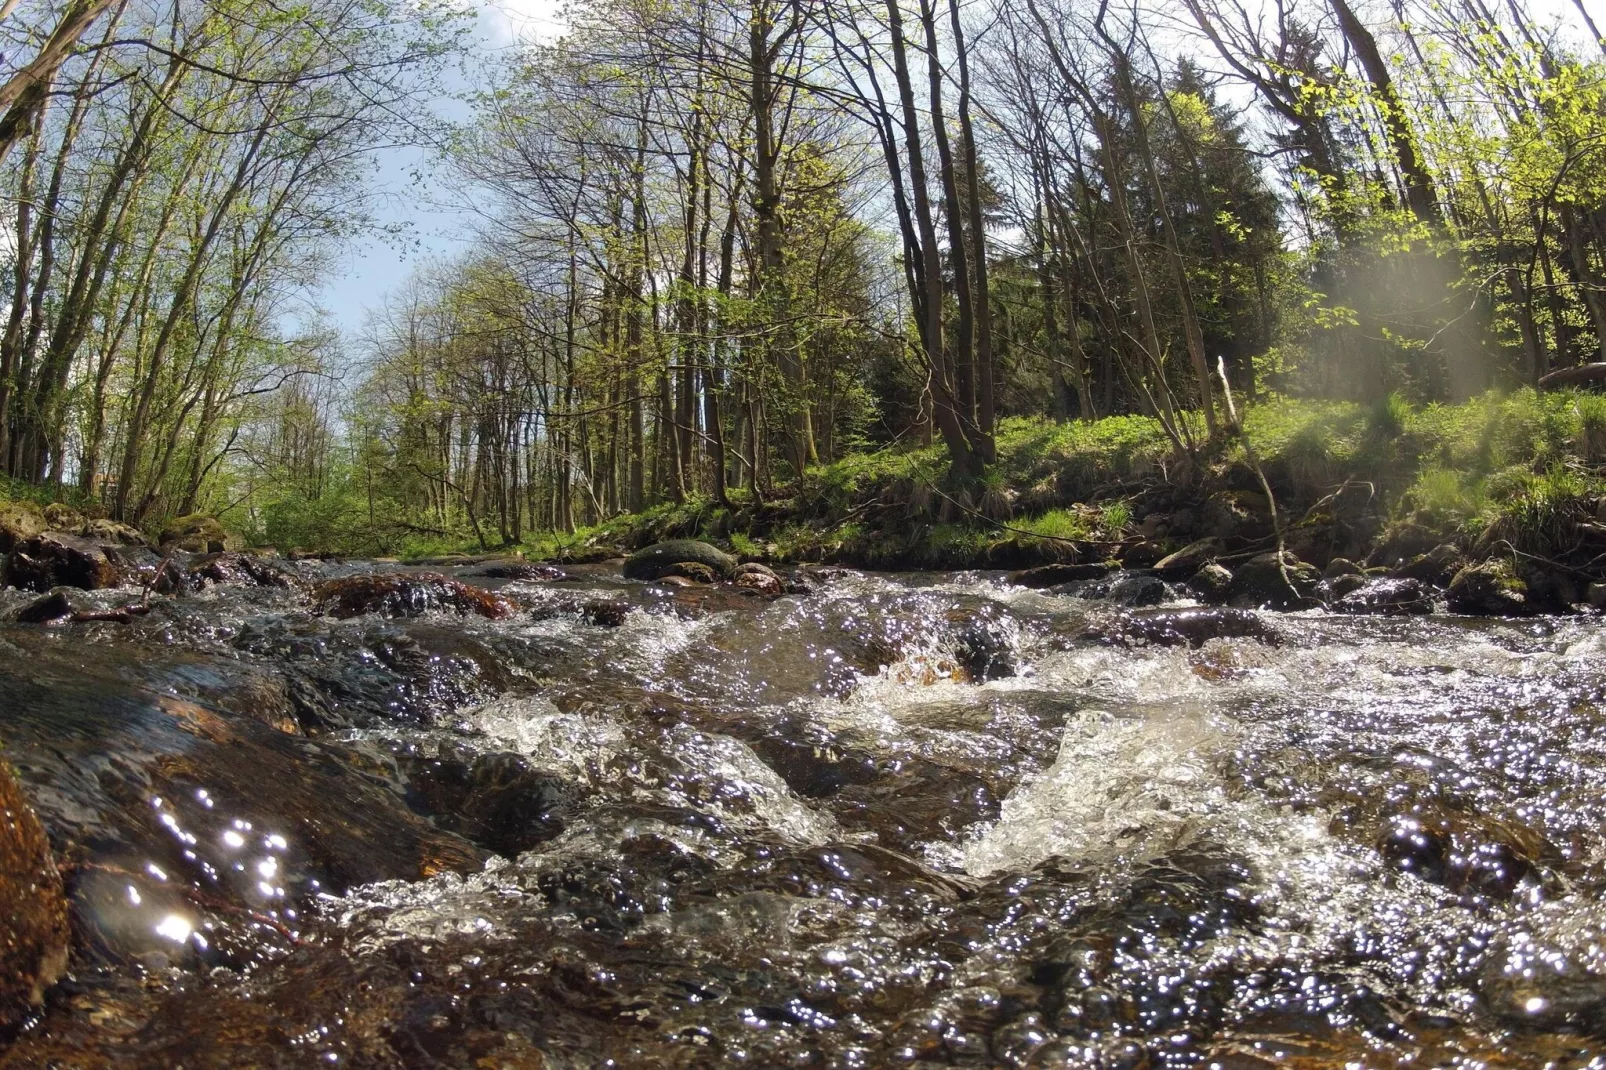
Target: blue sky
[(372, 265)]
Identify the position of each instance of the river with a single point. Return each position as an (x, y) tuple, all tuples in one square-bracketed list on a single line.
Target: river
[(895, 820)]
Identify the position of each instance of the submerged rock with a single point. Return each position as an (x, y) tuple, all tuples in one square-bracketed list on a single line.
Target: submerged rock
[(659, 559), (33, 908), (516, 570), (53, 559), (1135, 591), (237, 569), (1185, 627), (1489, 589), (1053, 575), (500, 801), (1388, 597), (406, 594)]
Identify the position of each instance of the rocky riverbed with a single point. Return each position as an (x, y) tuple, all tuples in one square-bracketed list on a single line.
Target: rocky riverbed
[(508, 814)]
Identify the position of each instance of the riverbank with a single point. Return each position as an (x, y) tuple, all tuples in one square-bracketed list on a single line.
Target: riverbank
[(1517, 475), (1516, 478)]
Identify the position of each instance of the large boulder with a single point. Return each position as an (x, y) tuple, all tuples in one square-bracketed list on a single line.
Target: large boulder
[(19, 521), (54, 559), (199, 534), (659, 559), (33, 908), (1267, 581), (406, 594), (1489, 589)]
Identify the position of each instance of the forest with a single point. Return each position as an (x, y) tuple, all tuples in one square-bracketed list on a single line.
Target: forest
[(725, 252)]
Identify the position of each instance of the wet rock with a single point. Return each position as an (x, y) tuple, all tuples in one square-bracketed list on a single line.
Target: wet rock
[(986, 644), (19, 521), (406, 594), (53, 559), (695, 571), (1341, 566), (1265, 581), (1387, 597), (1053, 575), (658, 559), (1489, 589), (1548, 979), (1437, 567), (515, 570), (1551, 590), (1135, 591), (1185, 627), (235, 569), (199, 534), (55, 606), (1237, 514), (500, 801), (1331, 590), (33, 909), (1469, 854), (765, 583), (104, 737), (1211, 583), (1191, 558)]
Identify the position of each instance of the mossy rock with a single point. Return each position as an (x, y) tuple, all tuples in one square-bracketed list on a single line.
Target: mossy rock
[(20, 521), (659, 559), (1489, 589), (199, 534), (1263, 581), (33, 908)]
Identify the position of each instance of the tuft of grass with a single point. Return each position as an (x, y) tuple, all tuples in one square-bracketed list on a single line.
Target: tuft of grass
[(1537, 513), (1389, 417)]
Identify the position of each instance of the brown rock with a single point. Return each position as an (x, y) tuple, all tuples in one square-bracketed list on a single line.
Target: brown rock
[(766, 583), (695, 571), (406, 594), (53, 559), (33, 909)]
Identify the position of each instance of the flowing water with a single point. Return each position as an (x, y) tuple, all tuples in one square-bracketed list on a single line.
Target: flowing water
[(929, 820)]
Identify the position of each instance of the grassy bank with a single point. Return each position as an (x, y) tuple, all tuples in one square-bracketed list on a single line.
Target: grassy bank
[(1518, 471)]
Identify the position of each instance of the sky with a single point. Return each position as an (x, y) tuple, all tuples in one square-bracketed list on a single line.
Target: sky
[(376, 263)]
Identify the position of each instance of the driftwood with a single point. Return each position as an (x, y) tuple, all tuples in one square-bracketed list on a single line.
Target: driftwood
[(1583, 375)]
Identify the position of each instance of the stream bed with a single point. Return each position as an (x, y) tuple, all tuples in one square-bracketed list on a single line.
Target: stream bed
[(892, 821)]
